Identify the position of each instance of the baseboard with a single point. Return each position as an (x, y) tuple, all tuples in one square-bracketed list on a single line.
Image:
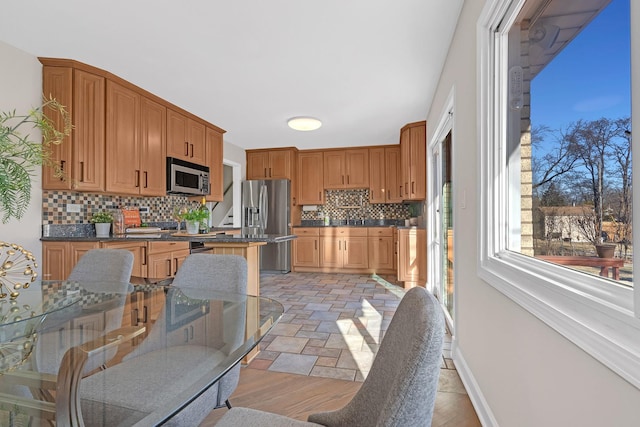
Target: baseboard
[(473, 390)]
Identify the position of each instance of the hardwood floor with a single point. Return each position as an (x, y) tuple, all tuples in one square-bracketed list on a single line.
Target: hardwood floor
[(297, 396)]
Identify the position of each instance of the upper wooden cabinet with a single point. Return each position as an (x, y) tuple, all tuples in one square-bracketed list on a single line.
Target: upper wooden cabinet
[(271, 164), (377, 179), (413, 150), (216, 168), (83, 94), (346, 168), (393, 174), (185, 138), (310, 178), (135, 143)]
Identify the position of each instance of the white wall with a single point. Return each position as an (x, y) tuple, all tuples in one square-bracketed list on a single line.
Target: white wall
[(21, 90), (522, 371)]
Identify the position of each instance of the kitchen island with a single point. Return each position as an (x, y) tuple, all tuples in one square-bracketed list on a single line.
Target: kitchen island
[(157, 256)]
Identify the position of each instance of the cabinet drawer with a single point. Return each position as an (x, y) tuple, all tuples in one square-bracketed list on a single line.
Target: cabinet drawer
[(344, 231), (306, 231), (380, 232), (158, 247)]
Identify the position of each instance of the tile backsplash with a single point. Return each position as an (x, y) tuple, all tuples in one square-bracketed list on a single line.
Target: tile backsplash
[(354, 204), (54, 206)]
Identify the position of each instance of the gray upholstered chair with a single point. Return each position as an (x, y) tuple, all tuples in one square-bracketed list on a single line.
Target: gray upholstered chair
[(401, 387), (198, 273)]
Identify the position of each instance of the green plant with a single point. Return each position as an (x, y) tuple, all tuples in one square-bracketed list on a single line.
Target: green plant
[(101, 217), (195, 214), (414, 209), (19, 155)]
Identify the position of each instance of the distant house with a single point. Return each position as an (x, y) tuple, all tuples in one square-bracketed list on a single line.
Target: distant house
[(563, 223)]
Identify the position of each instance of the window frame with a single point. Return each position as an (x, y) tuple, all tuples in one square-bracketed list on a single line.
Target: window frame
[(594, 313)]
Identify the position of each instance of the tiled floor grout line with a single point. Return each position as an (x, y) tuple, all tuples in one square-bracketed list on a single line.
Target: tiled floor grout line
[(332, 324)]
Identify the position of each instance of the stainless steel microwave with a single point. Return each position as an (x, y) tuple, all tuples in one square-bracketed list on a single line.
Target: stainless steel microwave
[(186, 178)]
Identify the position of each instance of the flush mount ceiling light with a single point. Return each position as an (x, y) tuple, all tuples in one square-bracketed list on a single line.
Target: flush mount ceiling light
[(304, 123)]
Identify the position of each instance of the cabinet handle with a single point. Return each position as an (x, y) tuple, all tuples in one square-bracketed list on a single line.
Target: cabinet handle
[(186, 335), (145, 319), (144, 255), (406, 187), (315, 245), (81, 171), (175, 263), (269, 172), (186, 148), (134, 317), (169, 268), (347, 179), (62, 162), (191, 330), (146, 179), (265, 172), (137, 178), (319, 195), (191, 149), (294, 201)]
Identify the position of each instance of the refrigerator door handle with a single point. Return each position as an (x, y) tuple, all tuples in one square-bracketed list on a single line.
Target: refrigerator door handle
[(264, 207)]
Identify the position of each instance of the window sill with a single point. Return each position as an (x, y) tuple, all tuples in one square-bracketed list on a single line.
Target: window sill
[(594, 313)]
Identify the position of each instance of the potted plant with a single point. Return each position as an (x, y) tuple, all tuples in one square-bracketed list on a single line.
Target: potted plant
[(21, 155), (193, 217), (102, 220), (414, 212)]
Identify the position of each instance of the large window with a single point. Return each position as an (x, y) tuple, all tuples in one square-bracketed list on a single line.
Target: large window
[(555, 116)]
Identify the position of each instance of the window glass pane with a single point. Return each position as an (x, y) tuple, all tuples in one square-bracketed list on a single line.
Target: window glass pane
[(570, 130)]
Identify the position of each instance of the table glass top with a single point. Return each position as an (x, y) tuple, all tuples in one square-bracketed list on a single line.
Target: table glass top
[(161, 346)]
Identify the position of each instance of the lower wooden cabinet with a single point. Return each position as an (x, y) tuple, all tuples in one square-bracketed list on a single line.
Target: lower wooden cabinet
[(306, 248), (165, 258), (381, 249), (59, 258), (344, 247), (412, 257), (139, 251)]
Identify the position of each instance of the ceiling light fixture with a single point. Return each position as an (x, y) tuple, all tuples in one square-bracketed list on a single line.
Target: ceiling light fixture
[(304, 123)]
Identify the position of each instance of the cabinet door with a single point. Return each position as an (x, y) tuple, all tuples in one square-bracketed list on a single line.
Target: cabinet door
[(55, 258), (216, 167), (310, 178), (412, 256), (123, 140), (177, 138), (418, 184), (355, 252), (257, 164), (334, 169), (331, 248), (57, 82), (280, 164), (197, 142), (405, 155), (381, 253), (306, 252), (139, 251), (377, 181), (89, 131), (153, 148), (357, 168), (178, 258), (393, 174), (160, 266)]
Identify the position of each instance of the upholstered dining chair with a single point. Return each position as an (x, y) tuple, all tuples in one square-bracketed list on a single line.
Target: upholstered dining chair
[(198, 273), (401, 387)]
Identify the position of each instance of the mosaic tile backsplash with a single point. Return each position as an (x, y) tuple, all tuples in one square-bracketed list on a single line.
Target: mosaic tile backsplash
[(354, 205), (54, 206)]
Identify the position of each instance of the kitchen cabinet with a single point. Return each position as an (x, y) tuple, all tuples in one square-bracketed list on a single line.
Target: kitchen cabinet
[(83, 94), (412, 257), (310, 178), (185, 138), (139, 251), (343, 247), (59, 258), (165, 258), (381, 248), (413, 152), (346, 168), (216, 167), (377, 179), (393, 174), (306, 248), (271, 164)]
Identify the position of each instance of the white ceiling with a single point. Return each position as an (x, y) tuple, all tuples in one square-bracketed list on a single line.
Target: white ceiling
[(364, 67)]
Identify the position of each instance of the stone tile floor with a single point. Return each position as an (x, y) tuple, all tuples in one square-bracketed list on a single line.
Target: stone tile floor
[(332, 325)]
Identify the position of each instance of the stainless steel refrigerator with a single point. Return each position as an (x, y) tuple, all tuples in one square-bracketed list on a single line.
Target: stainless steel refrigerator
[(265, 210)]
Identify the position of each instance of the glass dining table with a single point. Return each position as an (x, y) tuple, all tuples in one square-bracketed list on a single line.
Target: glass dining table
[(119, 354)]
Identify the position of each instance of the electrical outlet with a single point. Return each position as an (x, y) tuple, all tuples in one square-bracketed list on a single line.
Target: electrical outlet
[(144, 209), (74, 207)]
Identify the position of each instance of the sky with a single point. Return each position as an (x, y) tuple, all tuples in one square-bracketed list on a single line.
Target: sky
[(590, 78)]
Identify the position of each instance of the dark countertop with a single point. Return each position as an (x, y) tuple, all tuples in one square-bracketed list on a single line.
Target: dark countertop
[(169, 236), (354, 223)]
